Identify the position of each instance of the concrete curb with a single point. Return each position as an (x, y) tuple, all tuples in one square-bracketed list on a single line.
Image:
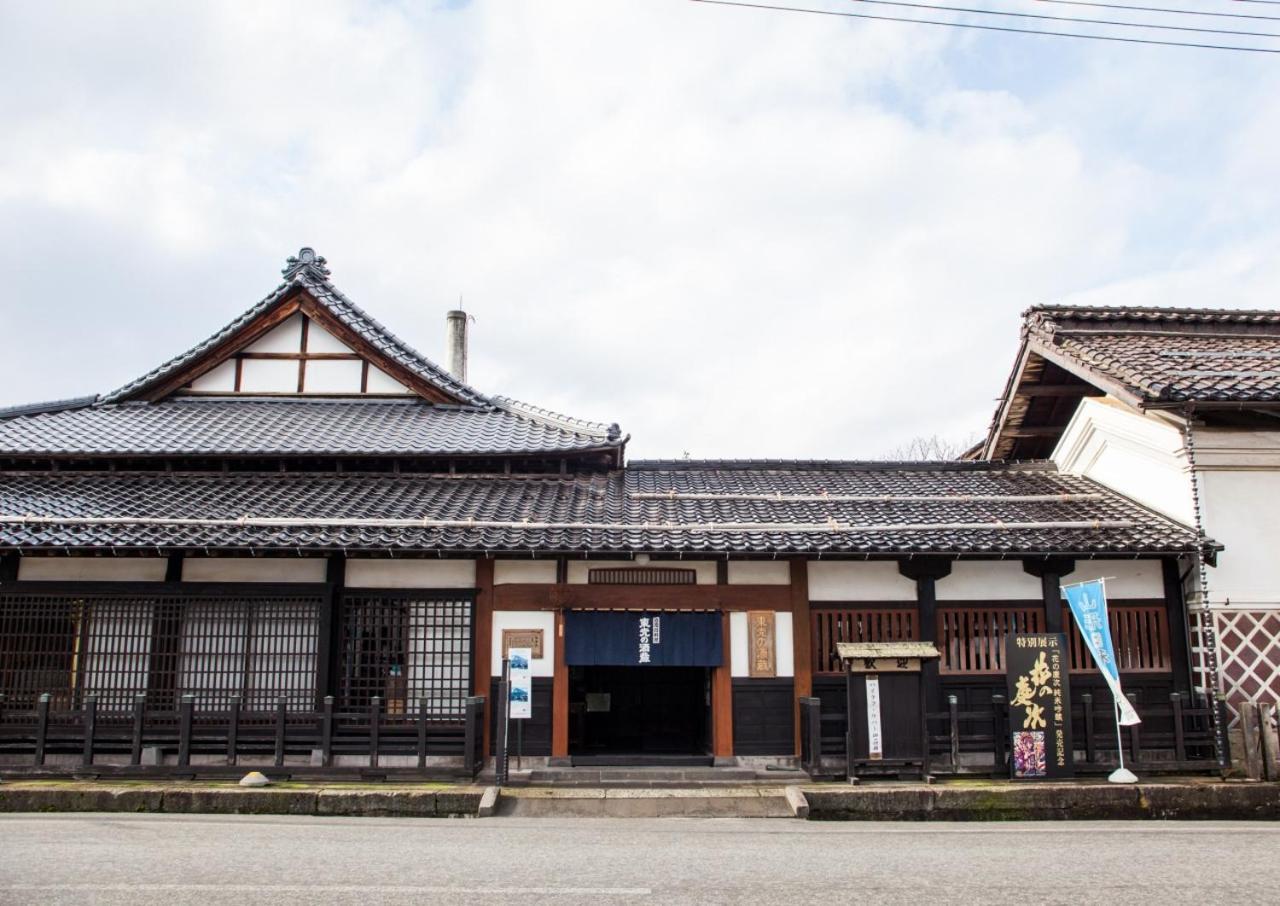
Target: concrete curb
[(235, 800), (1046, 802), (799, 804)]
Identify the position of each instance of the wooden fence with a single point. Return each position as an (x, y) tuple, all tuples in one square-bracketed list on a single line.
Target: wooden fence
[(222, 742)]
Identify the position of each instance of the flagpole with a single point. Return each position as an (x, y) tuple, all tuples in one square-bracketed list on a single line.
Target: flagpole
[(1120, 774)]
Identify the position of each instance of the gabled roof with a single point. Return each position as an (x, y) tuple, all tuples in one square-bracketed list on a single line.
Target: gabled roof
[(694, 508), (307, 285), (1146, 357)]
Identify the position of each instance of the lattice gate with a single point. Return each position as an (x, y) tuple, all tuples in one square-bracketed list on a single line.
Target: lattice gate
[(1248, 654)]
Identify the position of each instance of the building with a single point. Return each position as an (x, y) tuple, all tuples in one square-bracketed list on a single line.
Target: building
[(302, 507), (1176, 409)]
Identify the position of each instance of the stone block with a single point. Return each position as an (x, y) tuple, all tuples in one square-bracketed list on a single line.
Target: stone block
[(379, 803)]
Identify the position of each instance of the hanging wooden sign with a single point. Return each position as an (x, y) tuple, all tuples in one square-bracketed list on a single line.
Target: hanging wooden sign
[(762, 645), (522, 638)]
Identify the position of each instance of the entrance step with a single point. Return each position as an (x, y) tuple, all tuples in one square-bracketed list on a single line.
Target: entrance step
[(639, 777), (588, 802)]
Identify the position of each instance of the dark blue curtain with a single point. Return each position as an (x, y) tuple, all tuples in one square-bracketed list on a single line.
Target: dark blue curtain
[(642, 639)]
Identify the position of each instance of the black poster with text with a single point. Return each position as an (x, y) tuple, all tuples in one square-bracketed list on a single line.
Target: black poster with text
[(1039, 705)]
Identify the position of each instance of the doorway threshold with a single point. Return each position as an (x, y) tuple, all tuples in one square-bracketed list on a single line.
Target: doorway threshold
[(641, 760)]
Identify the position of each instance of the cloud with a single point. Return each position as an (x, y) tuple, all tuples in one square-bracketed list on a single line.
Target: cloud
[(737, 233)]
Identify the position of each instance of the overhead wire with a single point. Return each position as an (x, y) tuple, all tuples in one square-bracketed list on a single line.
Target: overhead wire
[(1120, 39), (1160, 9), (1017, 15)]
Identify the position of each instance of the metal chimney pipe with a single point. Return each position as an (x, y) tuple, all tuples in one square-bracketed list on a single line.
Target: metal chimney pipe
[(456, 363)]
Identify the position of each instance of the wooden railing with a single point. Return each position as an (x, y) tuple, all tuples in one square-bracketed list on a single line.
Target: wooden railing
[(971, 639), (1140, 635), (858, 624)]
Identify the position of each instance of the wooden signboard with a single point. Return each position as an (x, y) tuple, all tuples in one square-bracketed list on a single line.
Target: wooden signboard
[(761, 643), (522, 638), (1039, 705)]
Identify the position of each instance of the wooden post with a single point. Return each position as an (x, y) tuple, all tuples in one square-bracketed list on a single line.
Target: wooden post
[(1050, 570), (953, 723), (42, 727), (1179, 629), (926, 572), (422, 732), (329, 662), (1179, 732), (326, 732), (999, 735), (186, 711), (375, 730), (801, 637), (233, 731), (282, 714), (1251, 732), (722, 698), (1090, 740), (90, 728), (1135, 737), (139, 717), (482, 680), (559, 694), (1270, 741), (8, 568)]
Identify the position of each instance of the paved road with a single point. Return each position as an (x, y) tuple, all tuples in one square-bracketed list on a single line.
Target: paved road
[(180, 859)]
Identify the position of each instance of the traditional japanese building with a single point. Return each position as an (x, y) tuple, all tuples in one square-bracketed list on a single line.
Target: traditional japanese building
[(303, 507)]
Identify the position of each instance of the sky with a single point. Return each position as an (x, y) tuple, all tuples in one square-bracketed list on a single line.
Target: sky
[(736, 232)]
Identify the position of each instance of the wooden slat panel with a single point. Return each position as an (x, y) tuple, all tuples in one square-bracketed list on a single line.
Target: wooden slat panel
[(861, 624), (971, 639), (1140, 634)]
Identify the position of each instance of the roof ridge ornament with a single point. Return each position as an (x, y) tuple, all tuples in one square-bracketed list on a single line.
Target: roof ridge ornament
[(306, 261)]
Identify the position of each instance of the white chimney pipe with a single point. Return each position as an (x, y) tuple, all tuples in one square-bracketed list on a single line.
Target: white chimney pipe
[(456, 363)]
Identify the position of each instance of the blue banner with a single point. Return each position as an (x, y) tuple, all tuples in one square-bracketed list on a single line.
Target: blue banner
[(642, 639), (1088, 602)]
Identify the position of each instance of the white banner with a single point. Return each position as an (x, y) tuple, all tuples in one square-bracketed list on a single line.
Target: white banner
[(875, 737), (521, 694)]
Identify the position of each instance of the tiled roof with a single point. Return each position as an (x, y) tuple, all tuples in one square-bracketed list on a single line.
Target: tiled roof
[(308, 272), (691, 508), (1168, 355), (295, 427)]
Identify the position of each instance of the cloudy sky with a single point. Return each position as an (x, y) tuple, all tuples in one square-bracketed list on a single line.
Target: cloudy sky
[(736, 232)]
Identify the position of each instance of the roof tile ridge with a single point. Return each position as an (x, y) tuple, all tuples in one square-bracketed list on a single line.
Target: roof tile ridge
[(324, 286), (46, 407), (551, 418)]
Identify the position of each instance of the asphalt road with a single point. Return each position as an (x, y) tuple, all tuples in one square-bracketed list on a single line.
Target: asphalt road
[(209, 860)]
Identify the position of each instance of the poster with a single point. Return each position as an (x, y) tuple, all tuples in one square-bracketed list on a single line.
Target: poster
[(521, 702), (875, 733), (1039, 705)]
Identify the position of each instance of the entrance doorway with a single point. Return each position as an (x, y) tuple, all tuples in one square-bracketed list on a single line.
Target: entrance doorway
[(639, 715)]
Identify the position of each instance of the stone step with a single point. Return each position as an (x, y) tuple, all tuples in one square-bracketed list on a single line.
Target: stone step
[(656, 777), (595, 802)]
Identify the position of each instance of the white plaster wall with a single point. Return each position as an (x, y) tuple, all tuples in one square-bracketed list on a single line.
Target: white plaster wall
[(526, 619), (739, 665), (578, 569), (873, 580), (269, 376), (1141, 456), (1238, 510), (524, 572), (1125, 578), (381, 382), (219, 379), (320, 340), (989, 580), (332, 376), (411, 574), (91, 569), (759, 572), (286, 337), (253, 569)]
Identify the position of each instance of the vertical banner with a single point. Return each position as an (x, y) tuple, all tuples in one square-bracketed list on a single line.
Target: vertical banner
[(521, 694), (1088, 602), (875, 734), (1039, 705)]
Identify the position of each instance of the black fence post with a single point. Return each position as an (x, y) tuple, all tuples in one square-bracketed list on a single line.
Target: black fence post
[(375, 729), (1090, 740), (282, 714), (999, 738), (422, 733), (186, 713), (473, 735), (326, 732), (233, 730), (139, 720), (504, 713), (1135, 743), (42, 727), (1179, 732), (953, 718), (90, 728), (1219, 704)]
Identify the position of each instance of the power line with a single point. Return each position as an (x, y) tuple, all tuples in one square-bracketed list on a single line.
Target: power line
[(1000, 28), (1160, 9), (996, 12)]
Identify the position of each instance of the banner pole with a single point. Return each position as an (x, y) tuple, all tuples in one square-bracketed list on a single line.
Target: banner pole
[(1120, 774)]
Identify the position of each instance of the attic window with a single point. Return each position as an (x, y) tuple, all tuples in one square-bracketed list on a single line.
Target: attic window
[(642, 575)]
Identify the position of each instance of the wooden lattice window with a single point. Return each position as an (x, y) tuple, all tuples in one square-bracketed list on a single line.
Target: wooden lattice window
[(971, 639), (858, 624), (1139, 633), (642, 575)]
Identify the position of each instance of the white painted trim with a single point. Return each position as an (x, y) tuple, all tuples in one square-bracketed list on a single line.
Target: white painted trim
[(524, 572), (91, 569), (989, 580), (1125, 578), (253, 569), (411, 573)]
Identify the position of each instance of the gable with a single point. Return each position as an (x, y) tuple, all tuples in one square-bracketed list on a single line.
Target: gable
[(297, 356)]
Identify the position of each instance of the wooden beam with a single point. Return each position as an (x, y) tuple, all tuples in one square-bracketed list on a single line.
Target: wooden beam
[(482, 660), (173, 568), (801, 639), (1050, 570), (9, 567), (559, 694), (1042, 431), (1057, 390), (722, 699), (643, 597)]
